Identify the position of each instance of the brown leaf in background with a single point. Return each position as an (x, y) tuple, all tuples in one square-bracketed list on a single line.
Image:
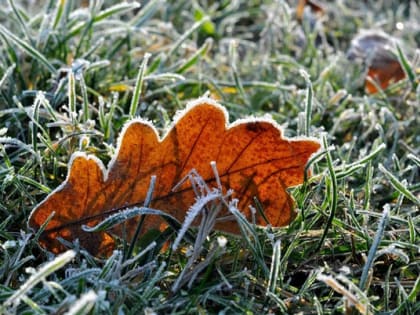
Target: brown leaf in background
[(376, 50), (314, 6), (252, 158), (385, 75)]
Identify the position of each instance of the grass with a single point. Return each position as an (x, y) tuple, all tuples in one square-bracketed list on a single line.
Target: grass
[(71, 75)]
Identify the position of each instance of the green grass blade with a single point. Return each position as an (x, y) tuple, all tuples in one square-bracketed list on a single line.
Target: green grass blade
[(84, 305), (37, 277), (407, 68), (195, 57), (20, 20), (399, 185), (187, 34), (139, 86), (119, 8), (7, 74), (333, 195), (146, 12), (308, 103), (58, 13), (374, 248), (235, 74), (123, 216), (28, 49), (275, 267), (71, 92)]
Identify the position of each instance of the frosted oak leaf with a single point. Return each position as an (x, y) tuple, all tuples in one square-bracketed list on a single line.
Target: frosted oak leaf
[(252, 157)]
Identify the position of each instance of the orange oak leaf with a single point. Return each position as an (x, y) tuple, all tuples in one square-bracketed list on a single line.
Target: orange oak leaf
[(252, 158)]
